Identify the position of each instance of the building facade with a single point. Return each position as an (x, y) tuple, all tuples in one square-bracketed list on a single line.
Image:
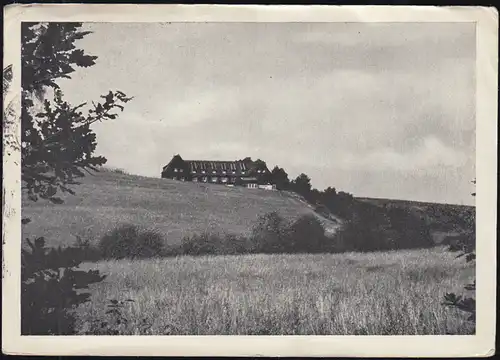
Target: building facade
[(246, 172)]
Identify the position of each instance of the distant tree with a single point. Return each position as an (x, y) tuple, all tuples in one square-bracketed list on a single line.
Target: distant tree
[(330, 192), (314, 196), (57, 145), (280, 178), (302, 185)]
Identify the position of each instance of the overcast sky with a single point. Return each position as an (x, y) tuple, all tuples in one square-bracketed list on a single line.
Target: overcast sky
[(380, 110)]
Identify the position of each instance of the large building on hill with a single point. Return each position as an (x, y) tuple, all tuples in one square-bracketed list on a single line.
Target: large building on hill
[(246, 172)]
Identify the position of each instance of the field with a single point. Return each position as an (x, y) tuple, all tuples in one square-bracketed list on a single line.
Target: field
[(373, 294), (176, 209)]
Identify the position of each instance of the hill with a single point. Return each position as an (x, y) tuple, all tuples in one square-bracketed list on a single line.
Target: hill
[(442, 219), (176, 209)]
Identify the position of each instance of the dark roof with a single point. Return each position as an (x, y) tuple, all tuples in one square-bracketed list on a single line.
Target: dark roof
[(240, 167), (219, 166)]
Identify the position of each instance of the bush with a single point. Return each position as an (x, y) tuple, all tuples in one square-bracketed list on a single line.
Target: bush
[(215, 244), (307, 235), (88, 252), (373, 228), (52, 288), (270, 234), (129, 241)]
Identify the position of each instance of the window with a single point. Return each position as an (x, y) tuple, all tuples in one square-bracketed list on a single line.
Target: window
[(214, 172), (224, 179), (181, 170), (214, 179), (182, 178), (234, 172), (175, 170), (195, 179), (224, 172), (258, 171), (202, 171), (205, 179)]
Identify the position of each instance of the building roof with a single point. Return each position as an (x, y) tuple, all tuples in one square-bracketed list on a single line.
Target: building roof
[(240, 167), (219, 166)]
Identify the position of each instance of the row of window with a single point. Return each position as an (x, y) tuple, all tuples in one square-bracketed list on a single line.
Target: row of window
[(215, 172), (213, 179), (203, 165)]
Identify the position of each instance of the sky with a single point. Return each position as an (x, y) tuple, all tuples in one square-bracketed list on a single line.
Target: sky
[(378, 110)]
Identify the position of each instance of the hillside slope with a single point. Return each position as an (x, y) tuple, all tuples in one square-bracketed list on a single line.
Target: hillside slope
[(442, 219), (176, 209)]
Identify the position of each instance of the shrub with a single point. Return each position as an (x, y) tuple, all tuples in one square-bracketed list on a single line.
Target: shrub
[(307, 235), (115, 322), (375, 228), (88, 252), (413, 230), (465, 245), (270, 234), (129, 241), (215, 244), (52, 288)]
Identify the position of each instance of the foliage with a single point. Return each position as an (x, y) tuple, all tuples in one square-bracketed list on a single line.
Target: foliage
[(465, 245), (57, 145), (57, 142), (280, 178), (302, 185), (372, 228), (52, 288), (307, 235), (273, 234), (215, 244), (115, 322), (270, 233), (129, 241)]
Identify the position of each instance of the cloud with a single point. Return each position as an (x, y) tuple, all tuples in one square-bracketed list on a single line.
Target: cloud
[(432, 153), (338, 101)]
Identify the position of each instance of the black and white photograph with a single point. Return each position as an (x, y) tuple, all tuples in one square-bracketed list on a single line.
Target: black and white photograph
[(208, 178)]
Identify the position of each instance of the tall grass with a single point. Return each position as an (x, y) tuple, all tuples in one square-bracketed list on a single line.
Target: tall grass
[(328, 294)]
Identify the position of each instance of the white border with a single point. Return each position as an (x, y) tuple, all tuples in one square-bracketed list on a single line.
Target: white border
[(482, 344)]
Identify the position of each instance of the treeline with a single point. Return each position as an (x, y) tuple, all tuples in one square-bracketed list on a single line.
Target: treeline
[(270, 234), (367, 226)]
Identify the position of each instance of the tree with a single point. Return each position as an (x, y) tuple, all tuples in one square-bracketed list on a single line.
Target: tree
[(307, 235), (270, 233), (57, 143), (280, 178), (302, 185), (57, 146)]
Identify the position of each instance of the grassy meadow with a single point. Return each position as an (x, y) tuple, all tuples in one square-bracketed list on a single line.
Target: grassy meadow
[(397, 292), (174, 209), (338, 294)]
